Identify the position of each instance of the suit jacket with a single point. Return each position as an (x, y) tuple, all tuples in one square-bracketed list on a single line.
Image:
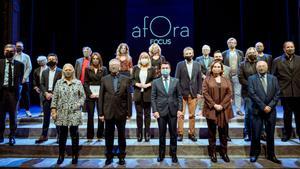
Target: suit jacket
[(137, 95), (214, 95), (18, 74), (246, 69), (163, 102), (268, 58), (90, 78), (45, 79), (204, 69), (78, 67), (289, 79), (113, 104), (258, 95), (36, 77), (225, 54), (189, 85)]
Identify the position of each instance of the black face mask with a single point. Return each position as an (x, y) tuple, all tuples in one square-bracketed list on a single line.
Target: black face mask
[(188, 58), (262, 74), (51, 63), (9, 55)]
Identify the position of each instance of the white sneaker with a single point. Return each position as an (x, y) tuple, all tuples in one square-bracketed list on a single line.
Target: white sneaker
[(28, 114)]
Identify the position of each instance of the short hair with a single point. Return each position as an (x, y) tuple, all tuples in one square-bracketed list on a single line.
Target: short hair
[(232, 38), (52, 54), (86, 47), (217, 51), (188, 48), (20, 42), (166, 63), (212, 65), (114, 60), (41, 58), (10, 46), (205, 47), (284, 44)]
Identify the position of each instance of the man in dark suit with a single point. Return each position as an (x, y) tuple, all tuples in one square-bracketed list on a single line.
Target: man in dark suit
[(264, 91), (189, 75), (166, 102), (47, 84), (37, 75), (287, 70), (11, 75), (232, 58), (115, 106)]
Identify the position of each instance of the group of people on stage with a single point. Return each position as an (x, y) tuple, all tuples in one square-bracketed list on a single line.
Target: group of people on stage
[(214, 84)]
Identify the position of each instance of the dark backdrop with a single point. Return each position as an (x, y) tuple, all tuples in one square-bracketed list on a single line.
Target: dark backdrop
[(65, 26)]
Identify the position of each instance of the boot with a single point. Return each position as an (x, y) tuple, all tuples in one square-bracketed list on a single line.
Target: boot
[(75, 149)]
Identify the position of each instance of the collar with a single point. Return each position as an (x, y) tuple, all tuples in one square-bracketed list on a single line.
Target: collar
[(54, 70), (163, 78), (7, 61), (191, 62), (73, 81)]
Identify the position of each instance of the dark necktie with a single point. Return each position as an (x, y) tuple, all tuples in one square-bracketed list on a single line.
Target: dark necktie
[(166, 85), (10, 74)]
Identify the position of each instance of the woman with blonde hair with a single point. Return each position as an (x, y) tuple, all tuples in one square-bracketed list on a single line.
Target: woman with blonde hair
[(122, 54), (68, 99), (156, 58)]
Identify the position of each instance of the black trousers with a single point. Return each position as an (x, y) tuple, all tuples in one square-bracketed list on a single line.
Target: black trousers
[(25, 95), (212, 130), (290, 106), (109, 137), (162, 125), (90, 107), (46, 118), (63, 135), (8, 103), (143, 111), (258, 121)]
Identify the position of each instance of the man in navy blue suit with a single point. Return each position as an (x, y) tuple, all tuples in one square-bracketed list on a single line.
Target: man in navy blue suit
[(264, 91)]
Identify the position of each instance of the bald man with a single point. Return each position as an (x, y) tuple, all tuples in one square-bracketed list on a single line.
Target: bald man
[(264, 92), (259, 46)]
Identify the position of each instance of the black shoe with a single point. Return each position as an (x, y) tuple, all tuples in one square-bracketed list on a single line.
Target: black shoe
[(12, 141), (60, 159), (108, 161), (75, 159), (41, 139), (121, 161), (247, 138), (1, 140), (263, 137), (180, 138), (225, 158), (160, 159), (274, 159), (193, 138), (253, 159), (228, 138), (174, 159), (285, 139), (240, 113), (213, 158), (140, 138), (147, 138)]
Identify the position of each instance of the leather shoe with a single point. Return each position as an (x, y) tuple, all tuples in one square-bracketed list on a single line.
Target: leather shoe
[(147, 138), (12, 141), (1, 140), (180, 137), (274, 159), (140, 138), (228, 138), (193, 138), (213, 158), (253, 159), (75, 159), (60, 159), (41, 139), (285, 139), (240, 113), (247, 138), (160, 159), (108, 161), (263, 137), (121, 161), (225, 158), (174, 159)]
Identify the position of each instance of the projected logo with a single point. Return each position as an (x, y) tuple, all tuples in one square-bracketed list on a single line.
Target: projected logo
[(160, 30)]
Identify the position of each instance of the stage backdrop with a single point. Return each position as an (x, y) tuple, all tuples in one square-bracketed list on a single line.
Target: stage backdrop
[(169, 23)]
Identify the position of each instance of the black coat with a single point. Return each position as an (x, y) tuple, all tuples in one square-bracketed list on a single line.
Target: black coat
[(45, 79), (246, 69)]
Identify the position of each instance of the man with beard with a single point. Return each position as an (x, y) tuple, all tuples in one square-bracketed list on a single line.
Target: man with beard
[(287, 70), (11, 75), (115, 106), (247, 68), (48, 80), (264, 92), (259, 46)]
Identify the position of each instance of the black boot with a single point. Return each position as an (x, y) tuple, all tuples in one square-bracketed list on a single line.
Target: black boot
[(75, 149), (60, 159), (147, 137), (140, 136)]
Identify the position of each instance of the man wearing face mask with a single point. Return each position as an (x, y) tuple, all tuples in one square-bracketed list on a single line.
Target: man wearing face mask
[(264, 92), (115, 106), (24, 88), (37, 75), (11, 75), (190, 82), (47, 84), (166, 102), (247, 68), (287, 69)]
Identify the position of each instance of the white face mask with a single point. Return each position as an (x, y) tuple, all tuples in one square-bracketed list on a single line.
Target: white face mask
[(144, 61)]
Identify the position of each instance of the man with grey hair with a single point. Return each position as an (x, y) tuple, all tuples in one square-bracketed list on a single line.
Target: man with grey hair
[(24, 87), (37, 74), (205, 60), (232, 58)]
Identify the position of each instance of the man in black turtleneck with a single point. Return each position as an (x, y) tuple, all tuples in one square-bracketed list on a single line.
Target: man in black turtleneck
[(287, 69)]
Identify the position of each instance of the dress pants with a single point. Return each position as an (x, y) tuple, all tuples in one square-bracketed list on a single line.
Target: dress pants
[(46, 118), (290, 105), (90, 107), (63, 135), (192, 104), (143, 111)]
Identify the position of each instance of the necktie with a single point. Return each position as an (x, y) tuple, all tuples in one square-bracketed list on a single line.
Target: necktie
[(264, 84), (166, 85), (9, 74)]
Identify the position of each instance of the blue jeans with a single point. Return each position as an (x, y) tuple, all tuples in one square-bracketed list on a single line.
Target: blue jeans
[(248, 112)]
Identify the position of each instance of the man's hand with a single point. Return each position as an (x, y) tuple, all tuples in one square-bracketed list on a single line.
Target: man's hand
[(199, 96), (180, 115), (23, 80), (156, 115), (48, 95), (37, 90), (101, 118), (53, 114), (139, 85), (267, 109), (92, 96)]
